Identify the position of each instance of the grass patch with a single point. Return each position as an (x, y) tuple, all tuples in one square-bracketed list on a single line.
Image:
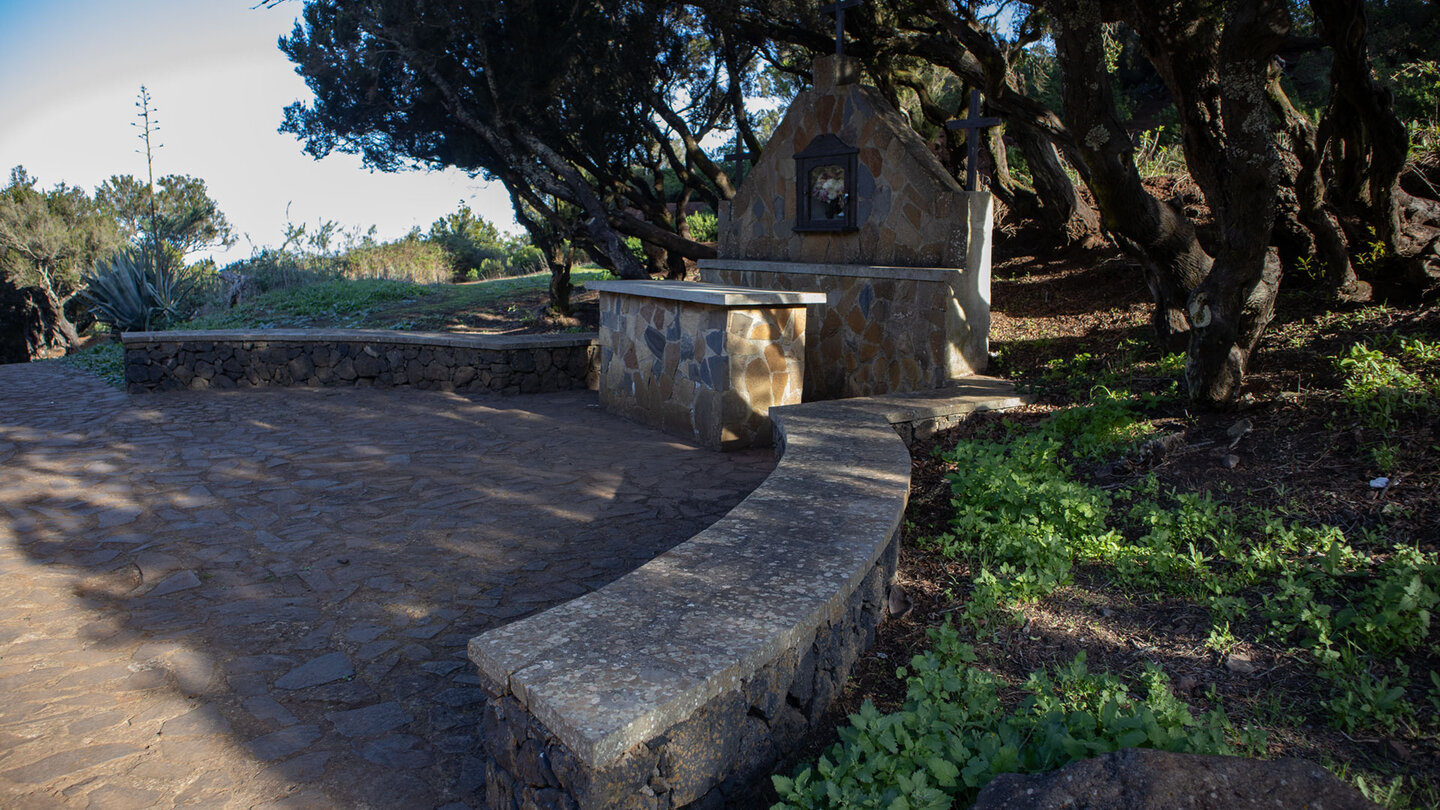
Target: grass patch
[(341, 303), (383, 304)]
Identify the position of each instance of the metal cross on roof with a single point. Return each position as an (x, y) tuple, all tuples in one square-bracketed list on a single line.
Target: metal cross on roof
[(972, 124), (838, 9)]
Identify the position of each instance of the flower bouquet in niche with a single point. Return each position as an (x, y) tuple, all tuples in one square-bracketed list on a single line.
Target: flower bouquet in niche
[(827, 191)]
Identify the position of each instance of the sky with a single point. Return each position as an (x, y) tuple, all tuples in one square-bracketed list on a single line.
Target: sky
[(71, 72)]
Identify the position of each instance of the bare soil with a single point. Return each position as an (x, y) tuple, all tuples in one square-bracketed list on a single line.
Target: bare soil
[(524, 313)]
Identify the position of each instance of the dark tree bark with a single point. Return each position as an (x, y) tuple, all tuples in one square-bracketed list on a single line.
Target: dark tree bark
[(1217, 67), (59, 331), (1156, 232), (1061, 209), (1216, 62), (1368, 145), (1306, 226), (554, 243)]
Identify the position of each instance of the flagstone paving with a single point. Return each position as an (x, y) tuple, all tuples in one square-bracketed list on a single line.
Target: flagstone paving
[(261, 599)]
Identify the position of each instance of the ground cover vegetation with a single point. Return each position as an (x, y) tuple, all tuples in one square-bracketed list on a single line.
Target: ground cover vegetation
[(1290, 117), (1111, 567)]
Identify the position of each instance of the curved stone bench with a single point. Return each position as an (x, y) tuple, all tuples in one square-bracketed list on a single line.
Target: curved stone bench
[(687, 679), (242, 358)]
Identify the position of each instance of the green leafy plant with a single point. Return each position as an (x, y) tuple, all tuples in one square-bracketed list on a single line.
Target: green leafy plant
[(1157, 155), (104, 360), (1361, 699), (952, 736), (131, 293), (703, 226), (1020, 515), (1380, 389), (1024, 520)]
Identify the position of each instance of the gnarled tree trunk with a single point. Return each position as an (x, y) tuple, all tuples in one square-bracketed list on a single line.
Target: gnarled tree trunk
[(22, 327), (1155, 231), (1062, 210), (1306, 226), (1216, 63), (1368, 146)]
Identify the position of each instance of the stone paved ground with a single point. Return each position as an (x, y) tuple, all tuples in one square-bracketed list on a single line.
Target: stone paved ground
[(262, 599)]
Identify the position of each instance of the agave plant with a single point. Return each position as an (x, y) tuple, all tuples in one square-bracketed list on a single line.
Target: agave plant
[(130, 294)]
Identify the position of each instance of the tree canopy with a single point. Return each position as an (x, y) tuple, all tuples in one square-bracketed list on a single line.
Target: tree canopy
[(187, 220), (592, 116), (48, 239)]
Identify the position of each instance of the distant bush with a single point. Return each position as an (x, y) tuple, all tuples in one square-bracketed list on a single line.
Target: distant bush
[(272, 269), (492, 268), (525, 259), (406, 260)]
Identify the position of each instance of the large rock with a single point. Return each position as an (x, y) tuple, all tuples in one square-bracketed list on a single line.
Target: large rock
[(1145, 779)]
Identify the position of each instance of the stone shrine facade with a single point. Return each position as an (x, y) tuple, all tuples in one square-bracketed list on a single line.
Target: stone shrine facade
[(909, 211), (905, 267)]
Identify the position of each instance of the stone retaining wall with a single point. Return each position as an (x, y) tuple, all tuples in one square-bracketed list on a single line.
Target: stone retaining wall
[(683, 683), (719, 755), (162, 361)]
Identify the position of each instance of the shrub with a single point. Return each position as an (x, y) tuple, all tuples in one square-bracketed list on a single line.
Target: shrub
[(525, 259), (406, 260), (704, 227), (272, 269), (129, 293), (637, 249), (492, 268)]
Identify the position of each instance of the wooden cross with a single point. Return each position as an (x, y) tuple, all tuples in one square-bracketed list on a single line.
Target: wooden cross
[(972, 124), (838, 9), (738, 157)]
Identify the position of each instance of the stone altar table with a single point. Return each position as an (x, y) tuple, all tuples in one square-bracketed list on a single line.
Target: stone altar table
[(702, 361)]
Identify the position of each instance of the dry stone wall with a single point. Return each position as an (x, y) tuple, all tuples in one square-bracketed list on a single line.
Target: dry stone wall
[(223, 359)]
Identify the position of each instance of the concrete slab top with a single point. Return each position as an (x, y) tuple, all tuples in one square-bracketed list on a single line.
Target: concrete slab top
[(385, 336), (822, 269), (715, 295)]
